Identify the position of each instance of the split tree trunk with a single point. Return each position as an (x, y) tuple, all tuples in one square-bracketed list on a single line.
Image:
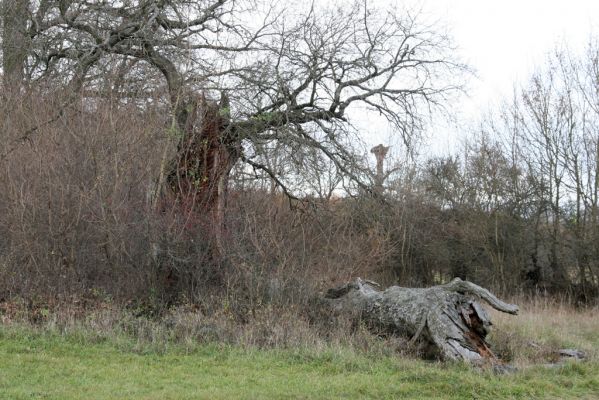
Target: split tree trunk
[(447, 317), (206, 153)]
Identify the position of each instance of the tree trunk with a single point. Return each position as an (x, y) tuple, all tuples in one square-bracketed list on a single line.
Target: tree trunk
[(447, 318), (206, 154), (207, 147), (380, 152), (195, 185)]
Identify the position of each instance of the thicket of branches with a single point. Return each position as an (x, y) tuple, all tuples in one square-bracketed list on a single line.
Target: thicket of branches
[(517, 206), (181, 151)]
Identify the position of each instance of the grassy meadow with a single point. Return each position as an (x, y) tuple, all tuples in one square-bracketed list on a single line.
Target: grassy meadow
[(89, 358)]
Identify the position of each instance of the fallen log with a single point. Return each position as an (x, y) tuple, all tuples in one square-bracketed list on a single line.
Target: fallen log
[(448, 317)]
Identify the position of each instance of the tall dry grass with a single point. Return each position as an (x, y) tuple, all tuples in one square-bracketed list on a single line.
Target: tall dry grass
[(534, 337), (544, 326)]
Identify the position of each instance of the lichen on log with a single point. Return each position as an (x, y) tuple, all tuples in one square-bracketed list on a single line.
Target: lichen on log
[(447, 317)]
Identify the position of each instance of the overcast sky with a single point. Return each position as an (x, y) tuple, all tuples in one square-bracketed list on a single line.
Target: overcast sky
[(503, 40)]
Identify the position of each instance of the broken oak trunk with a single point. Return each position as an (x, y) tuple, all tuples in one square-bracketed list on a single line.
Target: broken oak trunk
[(447, 317), (198, 176)]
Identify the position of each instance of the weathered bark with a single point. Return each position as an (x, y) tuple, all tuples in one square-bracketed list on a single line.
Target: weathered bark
[(206, 153), (447, 317), (194, 183), (380, 152)]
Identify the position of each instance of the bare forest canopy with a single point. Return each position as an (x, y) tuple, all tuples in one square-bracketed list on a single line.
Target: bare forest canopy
[(164, 150)]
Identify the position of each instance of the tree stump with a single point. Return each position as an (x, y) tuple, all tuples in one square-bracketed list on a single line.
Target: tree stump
[(447, 317)]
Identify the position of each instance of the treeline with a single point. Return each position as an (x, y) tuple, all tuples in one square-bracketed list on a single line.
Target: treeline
[(76, 217), (517, 207), (135, 196)]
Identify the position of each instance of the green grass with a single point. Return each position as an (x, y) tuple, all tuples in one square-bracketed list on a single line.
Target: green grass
[(45, 365)]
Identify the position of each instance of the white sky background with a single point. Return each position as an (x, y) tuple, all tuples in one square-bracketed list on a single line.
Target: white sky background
[(503, 40)]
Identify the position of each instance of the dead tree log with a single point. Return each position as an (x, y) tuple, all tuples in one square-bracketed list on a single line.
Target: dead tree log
[(447, 317)]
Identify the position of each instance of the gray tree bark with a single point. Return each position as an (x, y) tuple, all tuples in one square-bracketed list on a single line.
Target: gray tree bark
[(447, 317)]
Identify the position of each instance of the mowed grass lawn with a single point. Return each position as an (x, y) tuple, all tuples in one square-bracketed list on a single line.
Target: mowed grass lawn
[(50, 366)]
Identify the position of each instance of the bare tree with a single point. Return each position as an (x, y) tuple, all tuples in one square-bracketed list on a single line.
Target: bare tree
[(583, 157), (15, 41), (282, 75), (545, 119), (550, 129)]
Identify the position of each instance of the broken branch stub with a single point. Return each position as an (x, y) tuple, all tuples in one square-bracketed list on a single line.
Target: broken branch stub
[(447, 317)]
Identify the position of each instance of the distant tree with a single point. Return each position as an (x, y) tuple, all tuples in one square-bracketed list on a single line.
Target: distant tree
[(550, 127)]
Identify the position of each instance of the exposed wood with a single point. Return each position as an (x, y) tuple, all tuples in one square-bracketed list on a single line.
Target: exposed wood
[(448, 317), (205, 156), (380, 152)]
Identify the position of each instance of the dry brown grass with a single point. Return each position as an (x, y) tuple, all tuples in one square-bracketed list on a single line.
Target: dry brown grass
[(187, 327), (531, 338), (543, 327)]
